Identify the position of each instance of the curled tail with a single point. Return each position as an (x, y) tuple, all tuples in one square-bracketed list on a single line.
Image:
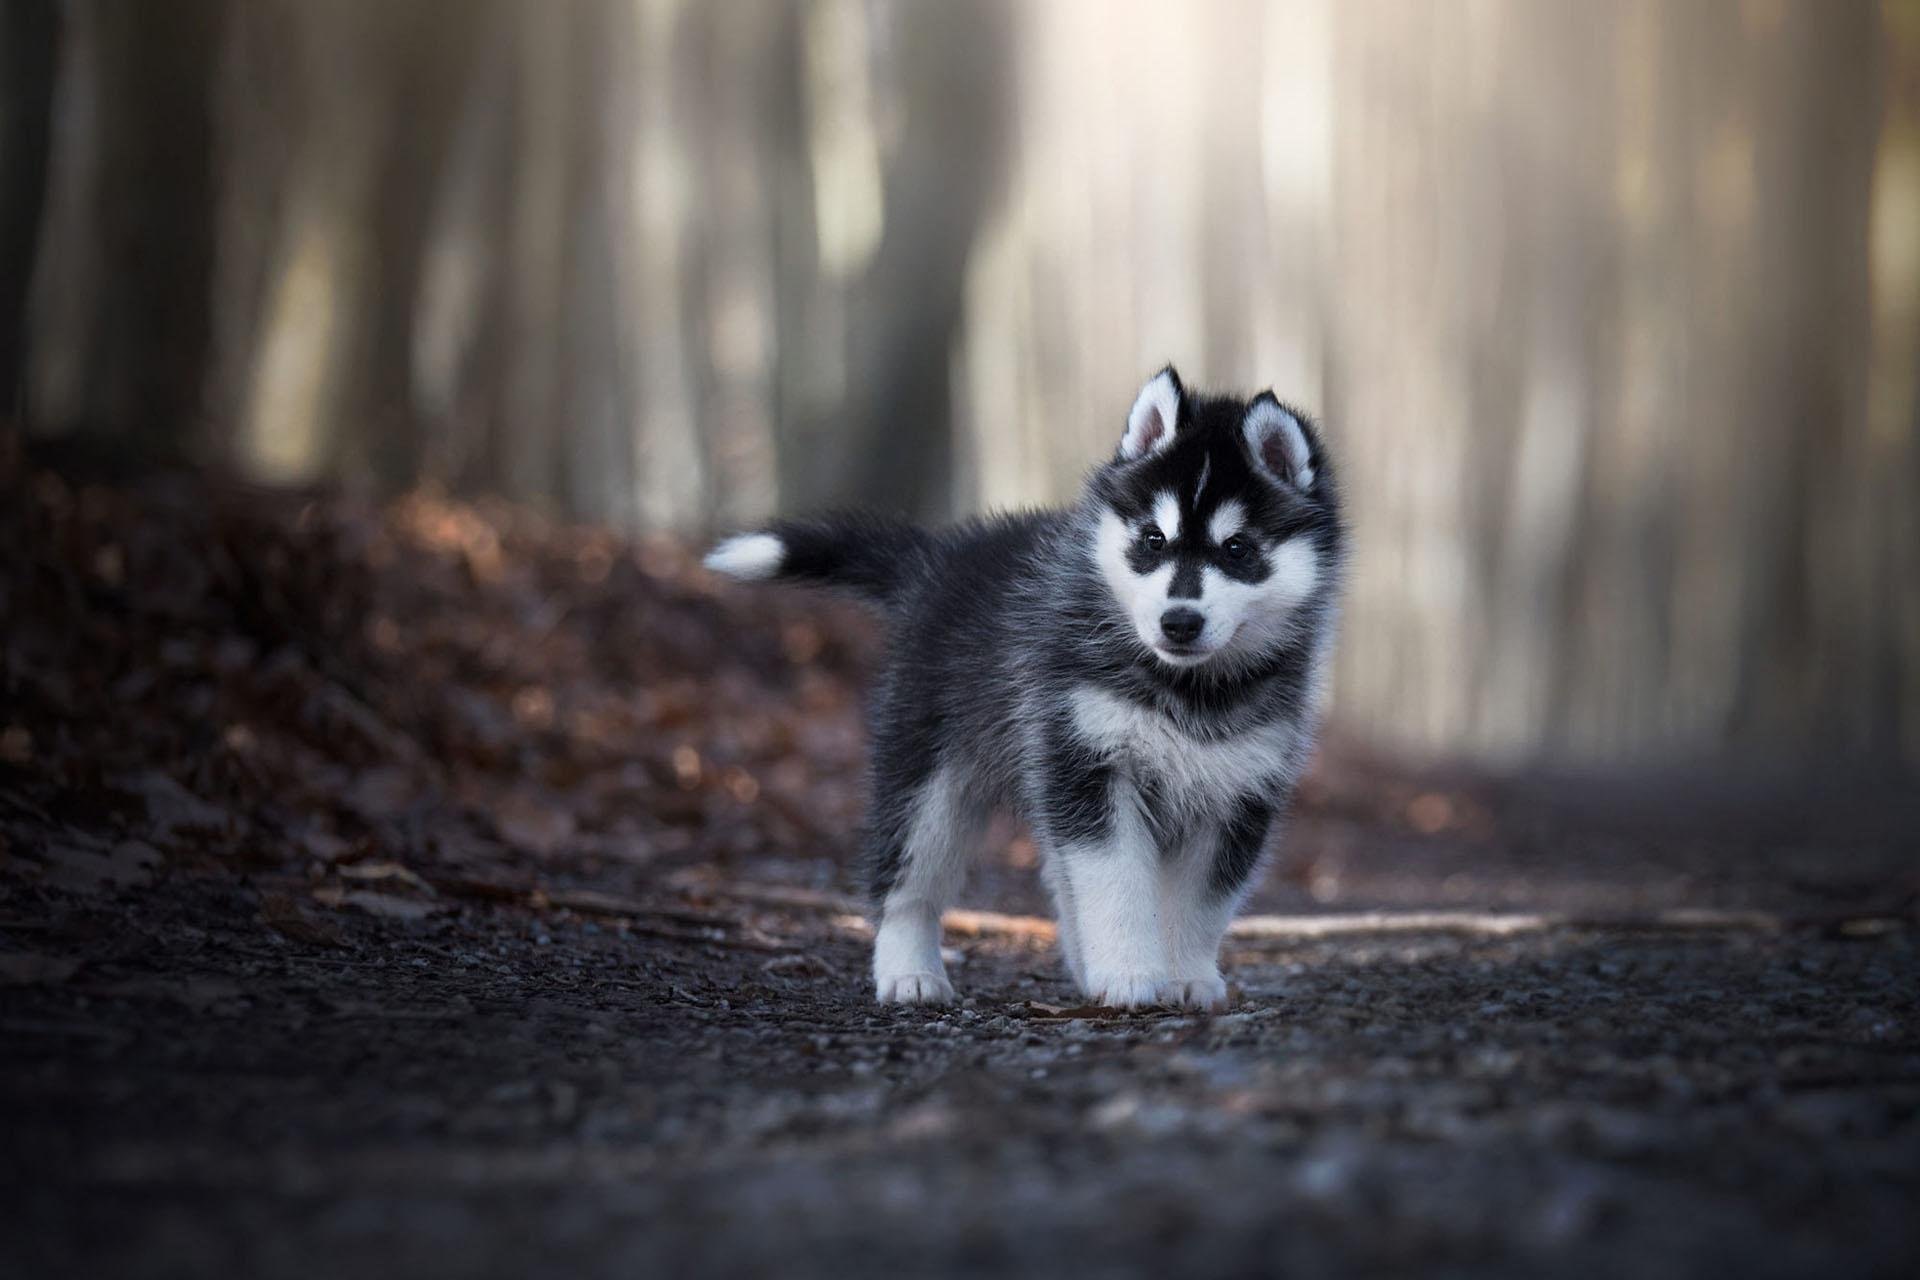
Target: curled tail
[(872, 556)]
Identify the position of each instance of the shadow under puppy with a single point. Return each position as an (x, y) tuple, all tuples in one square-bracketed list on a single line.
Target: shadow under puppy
[(1138, 677)]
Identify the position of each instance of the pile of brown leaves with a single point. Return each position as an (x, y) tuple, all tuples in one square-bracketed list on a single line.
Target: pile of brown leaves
[(395, 703), (395, 707)]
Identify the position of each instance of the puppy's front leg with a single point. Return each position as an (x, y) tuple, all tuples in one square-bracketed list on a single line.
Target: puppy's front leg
[(1201, 888), (1115, 899)]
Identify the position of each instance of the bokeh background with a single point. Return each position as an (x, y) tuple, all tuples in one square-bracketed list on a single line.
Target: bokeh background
[(1612, 310)]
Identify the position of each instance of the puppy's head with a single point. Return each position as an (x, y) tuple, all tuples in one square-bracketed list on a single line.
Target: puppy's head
[(1218, 527)]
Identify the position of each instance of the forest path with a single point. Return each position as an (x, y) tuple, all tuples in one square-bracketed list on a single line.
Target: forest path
[(433, 891), (214, 1082)]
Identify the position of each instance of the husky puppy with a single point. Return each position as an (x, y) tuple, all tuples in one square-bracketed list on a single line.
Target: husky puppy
[(1138, 677)]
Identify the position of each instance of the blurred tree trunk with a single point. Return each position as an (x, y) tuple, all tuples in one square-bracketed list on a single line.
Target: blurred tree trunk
[(539, 400), (428, 49), (1815, 98), (595, 401), (28, 34), (260, 106), (148, 320), (528, 461), (1884, 517), (808, 322), (468, 310), (894, 437), (725, 284)]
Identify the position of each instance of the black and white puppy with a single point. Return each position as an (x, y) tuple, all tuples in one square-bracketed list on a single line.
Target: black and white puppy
[(1139, 677)]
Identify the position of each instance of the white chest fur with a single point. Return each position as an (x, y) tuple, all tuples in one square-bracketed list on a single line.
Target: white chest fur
[(1199, 774)]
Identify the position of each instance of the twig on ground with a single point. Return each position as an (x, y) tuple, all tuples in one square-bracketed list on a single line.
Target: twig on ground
[(1288, 928)]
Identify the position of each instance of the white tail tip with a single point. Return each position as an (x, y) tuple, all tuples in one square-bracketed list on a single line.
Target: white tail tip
[(749, 557)]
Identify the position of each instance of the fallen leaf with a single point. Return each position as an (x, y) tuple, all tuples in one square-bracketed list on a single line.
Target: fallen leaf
[(382, 869), (595, 903), (539, 827), (324, 845), (134, 862), (391, 905), (25, 969), (283, 914), (129, 865), (799, 966), (16, 745), (1091, 1012), (1430, 813), (1869, 927), (171, 808), (379, 795)]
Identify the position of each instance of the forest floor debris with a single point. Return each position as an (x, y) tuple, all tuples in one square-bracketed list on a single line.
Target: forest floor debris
[(432, 888)]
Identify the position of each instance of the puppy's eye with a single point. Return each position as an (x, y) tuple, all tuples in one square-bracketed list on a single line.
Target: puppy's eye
[(1152, 539), (1236, 548)]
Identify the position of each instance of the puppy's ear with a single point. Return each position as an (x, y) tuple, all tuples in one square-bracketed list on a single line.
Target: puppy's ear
[(1155, 416), (1280, 442)]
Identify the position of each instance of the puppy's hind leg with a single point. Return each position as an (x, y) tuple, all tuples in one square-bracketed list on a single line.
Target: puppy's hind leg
[(919, 848), (1054, 874)]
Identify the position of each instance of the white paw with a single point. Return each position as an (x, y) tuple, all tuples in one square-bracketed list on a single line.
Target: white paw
[(1125, 990), (1206, 992), (913, 988)]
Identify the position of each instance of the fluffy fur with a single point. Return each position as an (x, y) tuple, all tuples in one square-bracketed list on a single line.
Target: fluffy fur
[(1138, 677)]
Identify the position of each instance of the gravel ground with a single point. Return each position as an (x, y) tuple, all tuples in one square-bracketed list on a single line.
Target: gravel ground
[(504, 1091)]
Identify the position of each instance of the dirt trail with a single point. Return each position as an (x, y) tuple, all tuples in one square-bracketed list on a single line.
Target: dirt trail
[(429, 891)]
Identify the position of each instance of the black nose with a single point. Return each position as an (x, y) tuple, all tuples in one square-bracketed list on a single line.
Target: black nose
[(1182, 626)]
